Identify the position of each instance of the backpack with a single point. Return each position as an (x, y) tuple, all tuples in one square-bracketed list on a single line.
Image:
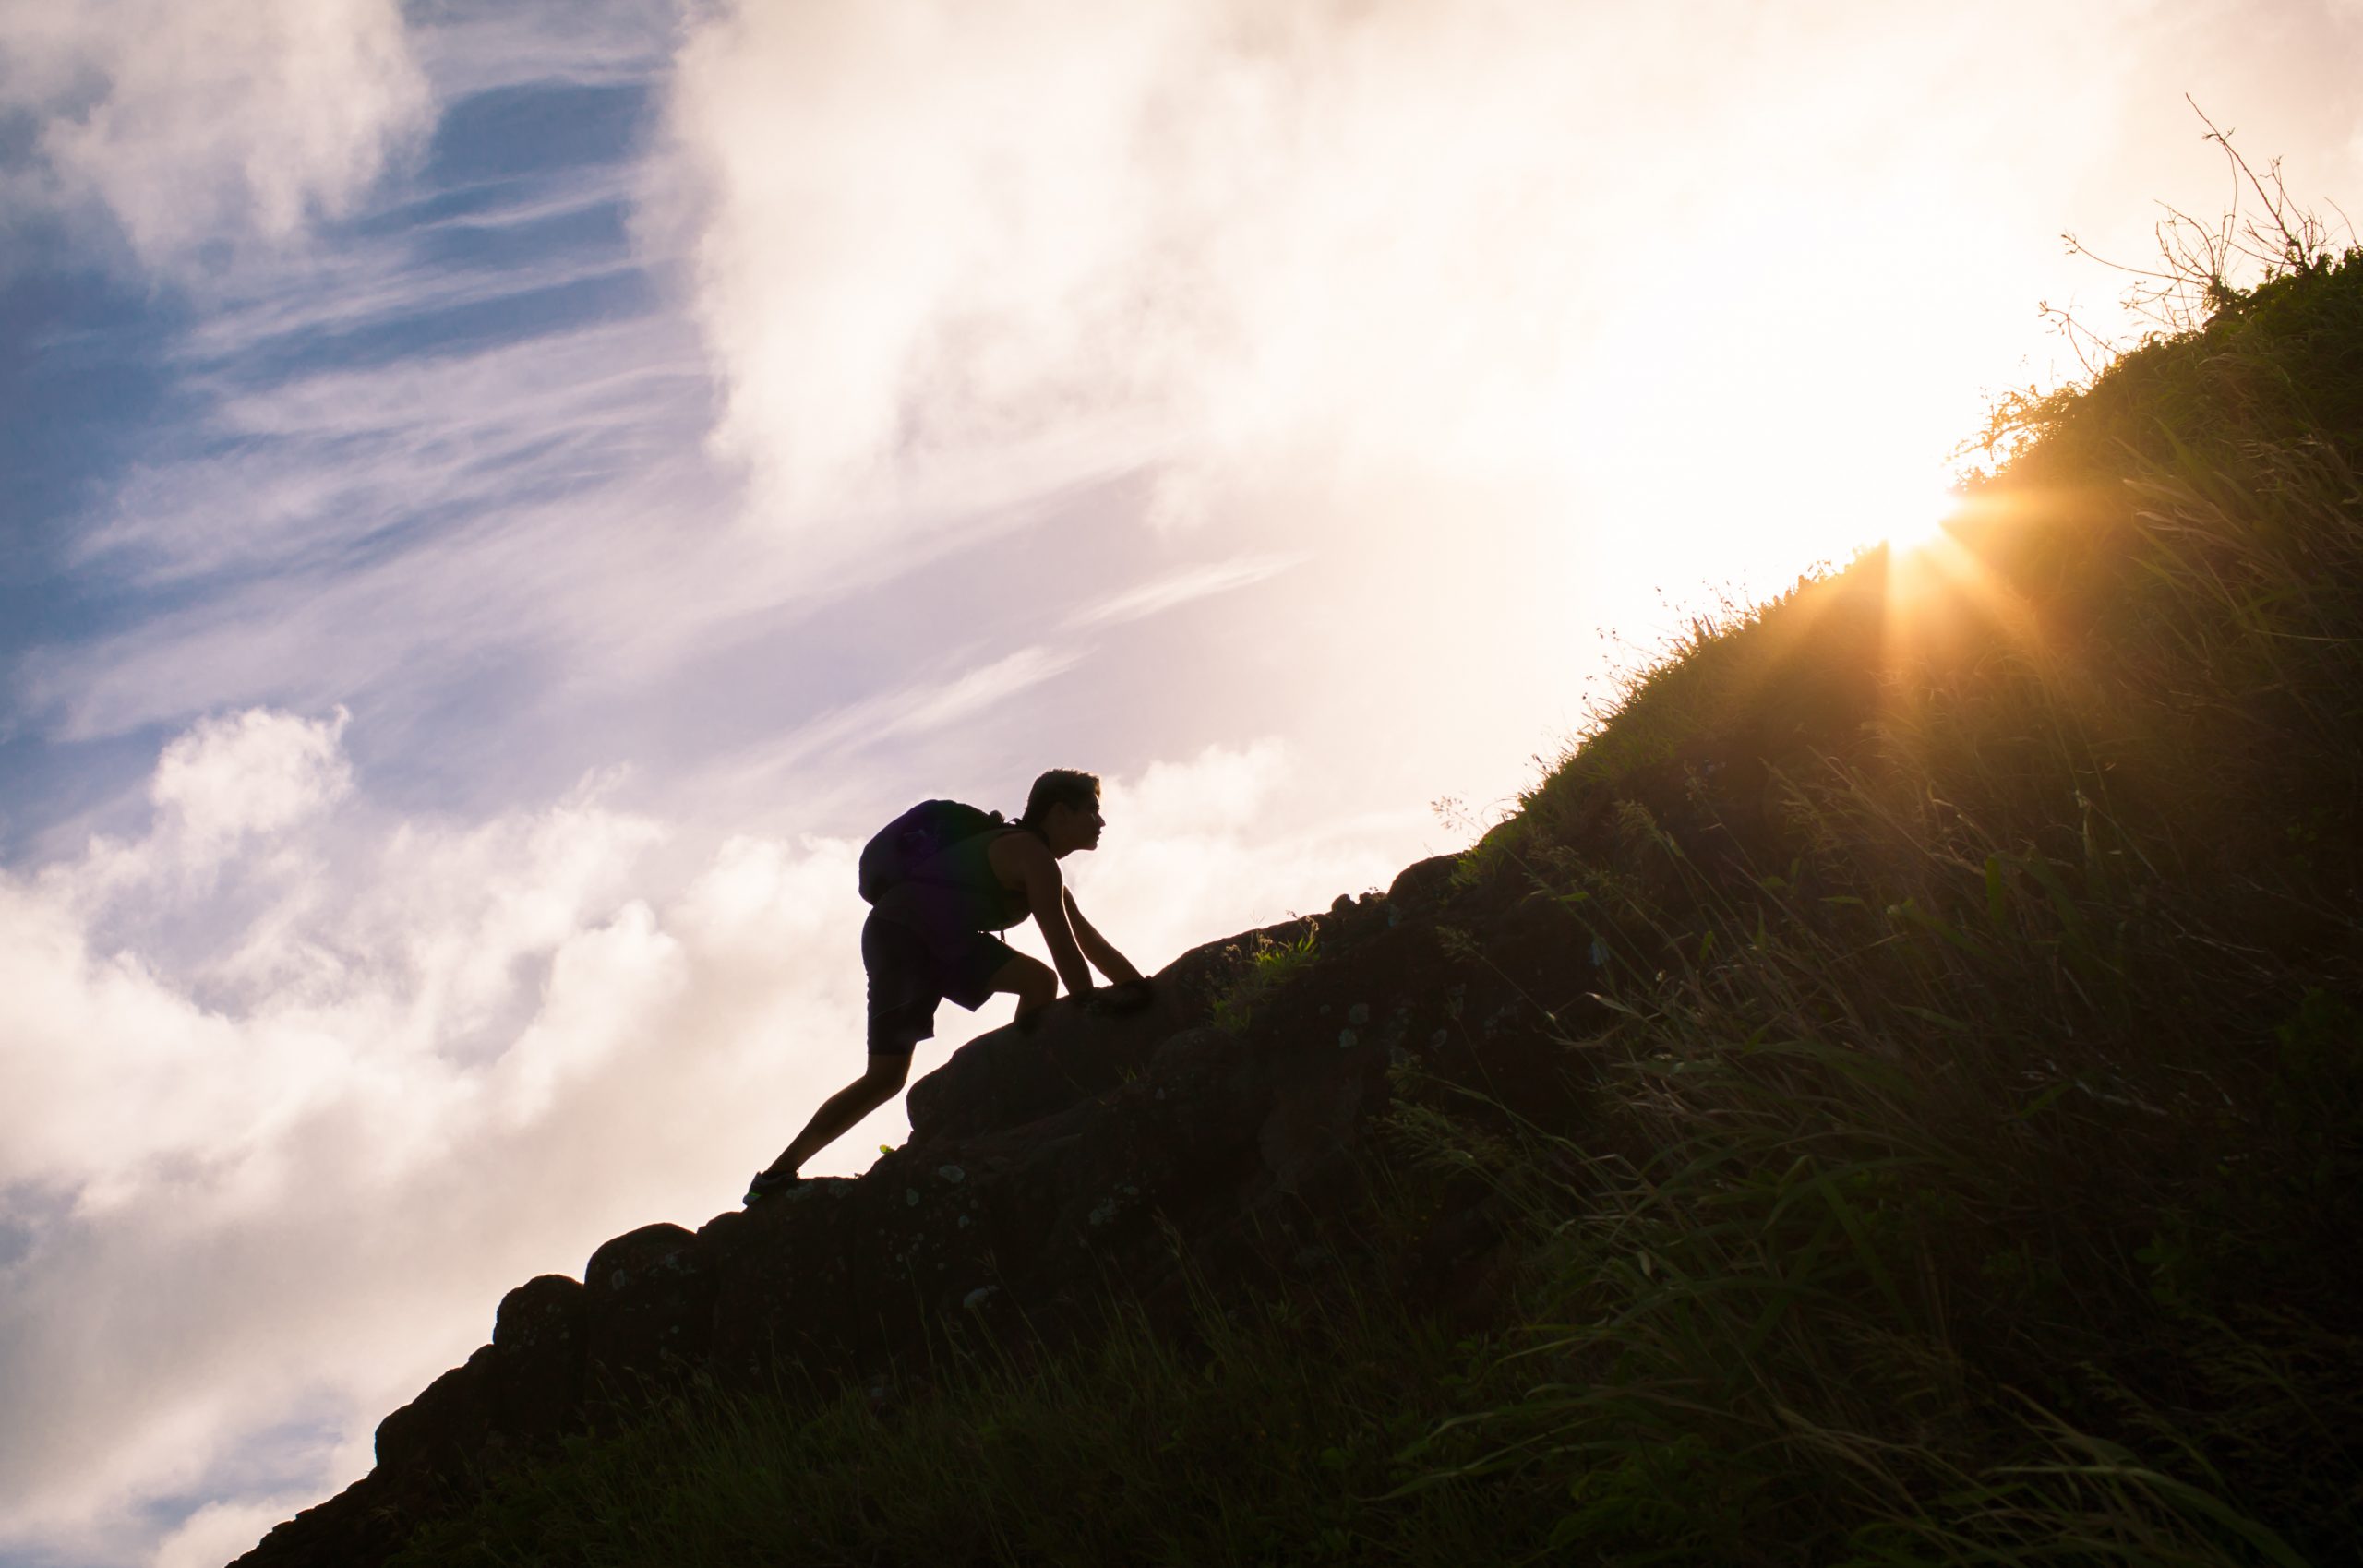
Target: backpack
[(917, 836)]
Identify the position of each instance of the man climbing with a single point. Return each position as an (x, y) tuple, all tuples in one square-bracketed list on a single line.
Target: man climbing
[(929, 937)]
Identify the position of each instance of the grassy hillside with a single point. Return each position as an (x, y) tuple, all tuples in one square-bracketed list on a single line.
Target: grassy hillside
[(1963, 1160)]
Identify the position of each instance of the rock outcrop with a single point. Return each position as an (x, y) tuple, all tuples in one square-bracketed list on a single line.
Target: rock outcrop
[(1047, 1172)]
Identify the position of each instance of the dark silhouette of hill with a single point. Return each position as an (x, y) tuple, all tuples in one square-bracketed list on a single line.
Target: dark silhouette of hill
[(1041, 1167), (1893, 1094)]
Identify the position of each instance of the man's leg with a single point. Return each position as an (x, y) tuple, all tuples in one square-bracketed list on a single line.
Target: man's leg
[(902, 1014), (841, 1110), (1035, 983)]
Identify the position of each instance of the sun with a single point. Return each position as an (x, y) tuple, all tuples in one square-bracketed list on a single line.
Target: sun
[(1920, 518)]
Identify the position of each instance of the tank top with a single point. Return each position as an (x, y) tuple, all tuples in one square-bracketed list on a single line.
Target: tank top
[(958, 887)]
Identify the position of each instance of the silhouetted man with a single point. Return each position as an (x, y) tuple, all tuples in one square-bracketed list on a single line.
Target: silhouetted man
[(930, 937)]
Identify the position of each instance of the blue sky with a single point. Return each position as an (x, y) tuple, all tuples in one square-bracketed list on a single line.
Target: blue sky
[(499, 499)]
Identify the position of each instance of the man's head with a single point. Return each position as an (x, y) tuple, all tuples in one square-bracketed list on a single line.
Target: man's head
[(1064, 806)]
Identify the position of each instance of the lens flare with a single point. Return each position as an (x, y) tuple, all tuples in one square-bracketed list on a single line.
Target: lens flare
[(1921, 521)]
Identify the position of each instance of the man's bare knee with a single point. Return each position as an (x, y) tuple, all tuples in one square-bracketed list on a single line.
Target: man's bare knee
[(1039, 991), (886, 1075), (1040, 986)]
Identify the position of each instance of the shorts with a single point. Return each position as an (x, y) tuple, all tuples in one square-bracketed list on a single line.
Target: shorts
[(914, 966)]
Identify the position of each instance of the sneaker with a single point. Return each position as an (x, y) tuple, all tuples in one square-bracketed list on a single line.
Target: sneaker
[(768, 1182)]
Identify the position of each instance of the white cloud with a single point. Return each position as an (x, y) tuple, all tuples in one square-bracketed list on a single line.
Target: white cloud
[(1218, 792), (392, 1010), (928, 233), (843, 235), (203, 122), (255, 771)]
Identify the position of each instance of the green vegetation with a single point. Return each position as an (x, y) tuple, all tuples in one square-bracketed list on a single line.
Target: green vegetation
[(1973, 1162), (1259, 972)]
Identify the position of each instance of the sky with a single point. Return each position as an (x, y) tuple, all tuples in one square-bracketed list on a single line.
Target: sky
[(498, 500)]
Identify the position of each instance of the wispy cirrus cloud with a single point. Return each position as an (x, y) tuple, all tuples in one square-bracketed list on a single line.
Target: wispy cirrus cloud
[(1182, 587), (933, 703), (445, 439), (949, 694)]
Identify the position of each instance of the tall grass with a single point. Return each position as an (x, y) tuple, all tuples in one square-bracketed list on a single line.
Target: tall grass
[(1267, 1437), (1988, 1127)]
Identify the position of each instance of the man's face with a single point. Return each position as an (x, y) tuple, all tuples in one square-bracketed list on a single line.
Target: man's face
[(1075, 827)]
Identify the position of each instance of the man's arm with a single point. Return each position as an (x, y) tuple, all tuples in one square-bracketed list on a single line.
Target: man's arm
[(1037, 873), (1103, 956)]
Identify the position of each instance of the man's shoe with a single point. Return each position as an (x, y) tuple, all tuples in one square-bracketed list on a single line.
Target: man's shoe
[(768, 1183)]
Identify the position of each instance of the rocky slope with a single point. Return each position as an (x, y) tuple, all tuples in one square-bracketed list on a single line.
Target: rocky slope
[(1047, 1171)]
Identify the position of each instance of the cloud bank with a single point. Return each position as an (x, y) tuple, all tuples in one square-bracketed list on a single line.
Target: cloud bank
[(293, 1088)]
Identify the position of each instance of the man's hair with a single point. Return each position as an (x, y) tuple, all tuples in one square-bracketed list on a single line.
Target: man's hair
[(1059, 787)]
